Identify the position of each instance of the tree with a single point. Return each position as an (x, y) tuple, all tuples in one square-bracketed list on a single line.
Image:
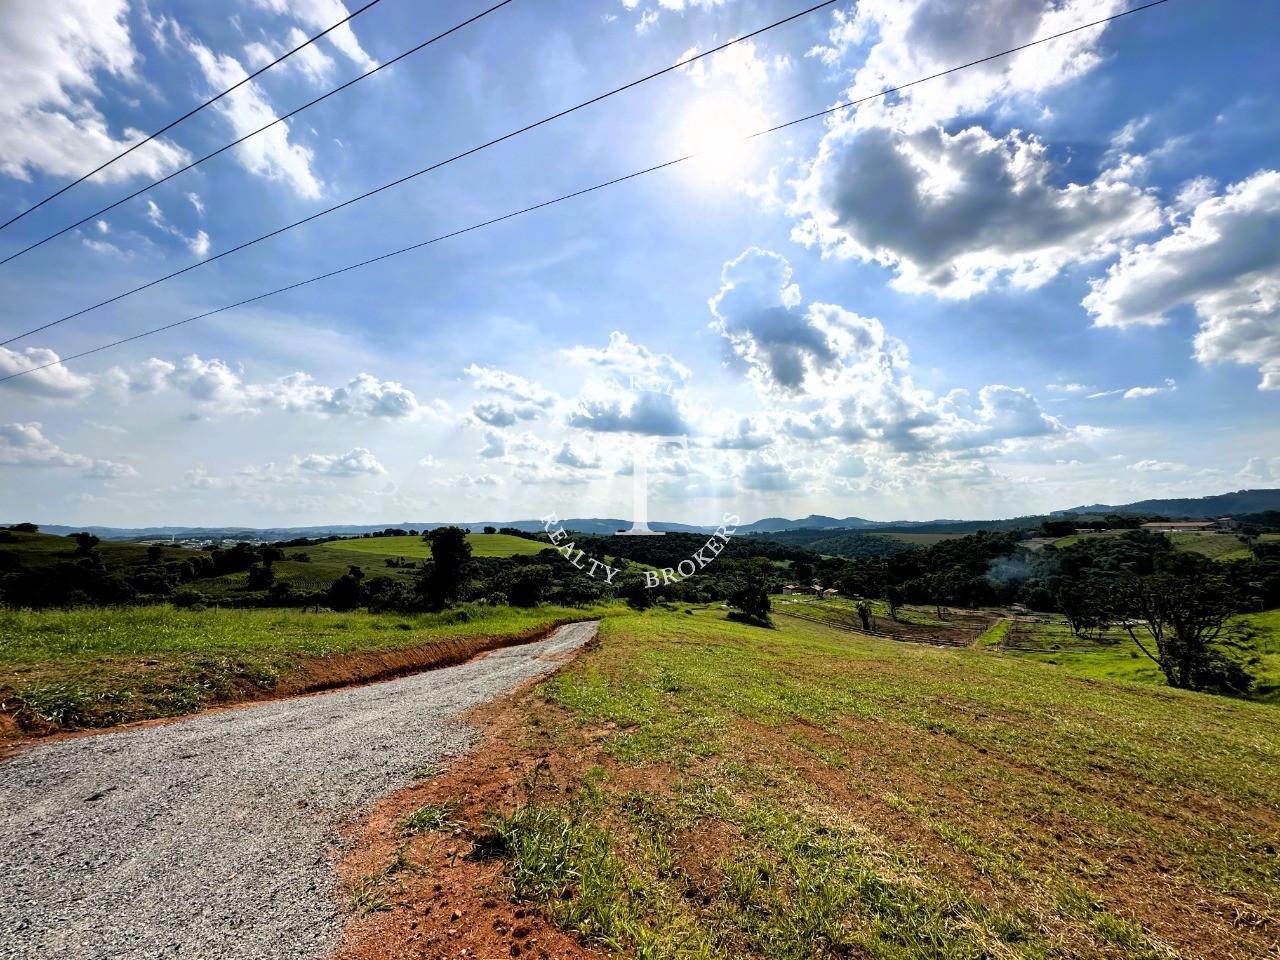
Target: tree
[(526, 586), (442, 578), (753, 600), (155, 553), (261, 576), (1084, 604), (490, 529), (865, 615), (343, 593), (1183, 611), (85, 542)]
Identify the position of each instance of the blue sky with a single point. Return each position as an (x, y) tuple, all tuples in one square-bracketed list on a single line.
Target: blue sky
[(1050, 280)]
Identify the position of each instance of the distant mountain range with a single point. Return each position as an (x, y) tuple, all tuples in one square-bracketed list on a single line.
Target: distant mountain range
[(1198, 508), (1226, 504)]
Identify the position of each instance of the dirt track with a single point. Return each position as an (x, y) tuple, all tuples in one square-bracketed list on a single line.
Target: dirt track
[(215, 836)]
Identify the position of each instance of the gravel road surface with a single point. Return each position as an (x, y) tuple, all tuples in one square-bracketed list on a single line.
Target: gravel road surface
[(214, 837)]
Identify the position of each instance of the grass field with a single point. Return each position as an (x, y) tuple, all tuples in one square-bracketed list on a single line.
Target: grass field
[(414, 548), (1116, 657), (710, 789), (100, 667)]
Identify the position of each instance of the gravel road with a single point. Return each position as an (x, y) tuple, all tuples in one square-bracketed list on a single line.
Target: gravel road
[(214, 837)]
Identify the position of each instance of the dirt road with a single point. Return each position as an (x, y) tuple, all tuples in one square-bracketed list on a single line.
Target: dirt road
[(213, 837)]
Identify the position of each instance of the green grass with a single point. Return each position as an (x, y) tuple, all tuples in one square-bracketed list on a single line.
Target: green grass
[(1215, 546), (803, 792), (415, 548), (1114, 656), (58, 636), (100, 667), (43, 549), (995, 634), (434, 816)]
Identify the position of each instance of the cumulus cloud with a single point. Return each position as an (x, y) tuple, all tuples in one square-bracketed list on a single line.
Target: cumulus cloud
[(1156, 466), (834, 375), (1260, 470), (513, 397), (25, 445), (629, 363), (220, 390), (569, 456), (356, 462), (954, 213), (629, 389), (469, 480), (270, 154), (632, 411), (49, 68), (918, 38), (1223, 261), (56, 381)]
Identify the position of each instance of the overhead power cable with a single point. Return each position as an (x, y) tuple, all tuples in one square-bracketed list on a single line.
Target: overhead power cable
[(247, 136), (190, 113), (577, 193), (425, 170)]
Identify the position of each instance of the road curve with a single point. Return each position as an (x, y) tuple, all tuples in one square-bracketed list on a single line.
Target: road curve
[(214, 837)]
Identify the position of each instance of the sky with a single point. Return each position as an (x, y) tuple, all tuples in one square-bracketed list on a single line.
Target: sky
[(1048, 280)]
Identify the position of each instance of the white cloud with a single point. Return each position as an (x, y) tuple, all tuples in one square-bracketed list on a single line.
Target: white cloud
[(1156, 466), (221, 391), (198, 244), (25, 445), (624, 360), (834, 375), (356, 462), (577, 459), (954, 213), (1137, 393), (49, 63), (319, 15), (56, 381), (469, 480), (270, 154), (1223, 261), (1260, 470), (918, 38)]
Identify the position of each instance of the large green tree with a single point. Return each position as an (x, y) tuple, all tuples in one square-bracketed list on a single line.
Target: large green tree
[(443, 575), (1179, 617)]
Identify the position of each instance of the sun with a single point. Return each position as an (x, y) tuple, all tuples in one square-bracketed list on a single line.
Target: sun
[(716, 131)]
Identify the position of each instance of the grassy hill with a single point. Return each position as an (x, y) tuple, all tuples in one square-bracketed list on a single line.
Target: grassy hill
[(693, 787)]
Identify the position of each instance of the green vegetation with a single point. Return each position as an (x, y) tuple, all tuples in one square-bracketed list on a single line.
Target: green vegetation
[(100, 667), (803, 792), (433, 816), (413, 548), (1111, 655)]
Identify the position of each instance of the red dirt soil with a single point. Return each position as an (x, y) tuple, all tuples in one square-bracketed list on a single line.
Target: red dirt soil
[(440, 902)]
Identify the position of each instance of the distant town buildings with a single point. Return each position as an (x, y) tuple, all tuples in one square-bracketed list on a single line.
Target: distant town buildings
[(1221, 525)]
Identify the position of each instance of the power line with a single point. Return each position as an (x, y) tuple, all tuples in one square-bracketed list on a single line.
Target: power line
[(435, 166), (247, 136), (578, 193), (190, 113)]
